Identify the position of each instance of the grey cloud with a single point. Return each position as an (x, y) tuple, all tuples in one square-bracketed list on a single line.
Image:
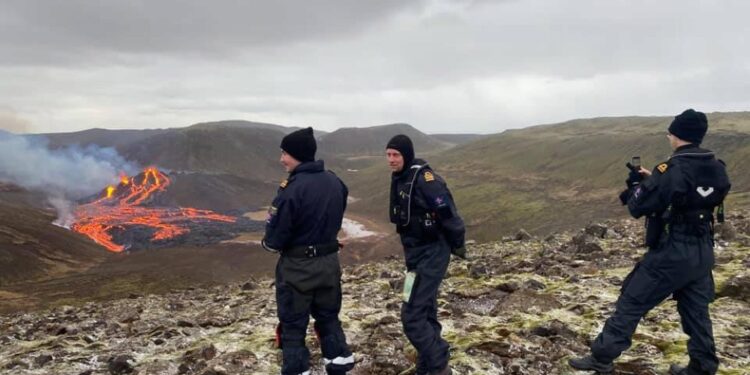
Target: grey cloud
[(486, 65), (34, 31)]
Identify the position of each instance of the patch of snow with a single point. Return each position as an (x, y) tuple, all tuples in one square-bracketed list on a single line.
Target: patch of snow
[(351, 199), (353, 229)]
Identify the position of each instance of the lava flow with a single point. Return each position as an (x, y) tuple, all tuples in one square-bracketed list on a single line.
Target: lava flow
[(128, 206)]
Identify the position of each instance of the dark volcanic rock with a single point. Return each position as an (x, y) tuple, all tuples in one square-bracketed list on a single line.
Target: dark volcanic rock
[(522, 235), (508, 287), (17, 363), (215, 319), (534, 285), (725, 231), (526, 301), (249, 285), (584, 243), (240, 360), (120, 364), (596, 230), (477, 270), (195, 360), (737, 287), (207, 352), (554, 328), (42, 360)]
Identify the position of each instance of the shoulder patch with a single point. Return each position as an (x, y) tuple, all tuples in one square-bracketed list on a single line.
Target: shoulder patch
[(429, 177), (662, 167), (284, 183)]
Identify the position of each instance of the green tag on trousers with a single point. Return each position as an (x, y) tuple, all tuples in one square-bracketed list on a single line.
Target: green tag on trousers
[(408, 285)]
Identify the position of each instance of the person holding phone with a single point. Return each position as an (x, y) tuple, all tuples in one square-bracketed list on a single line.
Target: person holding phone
[(678, 199)]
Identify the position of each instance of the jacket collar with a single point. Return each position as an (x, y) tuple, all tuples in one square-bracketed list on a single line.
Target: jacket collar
[(686, 147), (692, 150), (407, 169), (308, 167)]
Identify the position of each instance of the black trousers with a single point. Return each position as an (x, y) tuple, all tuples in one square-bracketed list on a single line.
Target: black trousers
[(680, 266), (419, 312), (304, 287)]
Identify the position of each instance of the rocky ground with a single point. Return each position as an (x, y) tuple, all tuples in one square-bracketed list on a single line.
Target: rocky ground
[(519, 306)]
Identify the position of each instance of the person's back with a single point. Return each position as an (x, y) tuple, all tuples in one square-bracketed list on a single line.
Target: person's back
[(319, 200), (303, 222)]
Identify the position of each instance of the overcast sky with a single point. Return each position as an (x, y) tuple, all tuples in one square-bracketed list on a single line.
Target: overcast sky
[(440, 65)]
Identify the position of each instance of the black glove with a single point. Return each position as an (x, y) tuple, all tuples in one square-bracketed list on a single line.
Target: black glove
[(634, 179), (625, 196)]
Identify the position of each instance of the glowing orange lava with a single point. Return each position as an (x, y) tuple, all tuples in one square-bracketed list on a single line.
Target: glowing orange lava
[(121, 206)]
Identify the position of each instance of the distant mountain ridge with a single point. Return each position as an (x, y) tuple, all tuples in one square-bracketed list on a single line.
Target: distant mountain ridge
[(372, 140), (557, 176), (251, 125), (457, 139)]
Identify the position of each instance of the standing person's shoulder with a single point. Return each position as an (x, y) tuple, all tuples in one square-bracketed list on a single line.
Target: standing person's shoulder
[(285, 183), (663, 172), (288, 185), (428, 176), (334, 177), (658, 171)]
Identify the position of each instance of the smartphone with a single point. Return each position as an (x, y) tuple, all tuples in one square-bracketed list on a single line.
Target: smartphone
[(636, 162)]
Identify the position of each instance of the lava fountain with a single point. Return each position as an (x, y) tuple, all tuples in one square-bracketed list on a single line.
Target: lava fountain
[(130, 206)]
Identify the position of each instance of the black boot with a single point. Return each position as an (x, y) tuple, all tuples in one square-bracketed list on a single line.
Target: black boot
[(589, 363)]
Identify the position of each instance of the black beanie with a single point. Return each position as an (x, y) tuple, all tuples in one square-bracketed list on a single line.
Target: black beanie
[(402, 144), (300, 144), (690, 126)]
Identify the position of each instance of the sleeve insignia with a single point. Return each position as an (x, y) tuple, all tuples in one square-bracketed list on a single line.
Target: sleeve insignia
[(662, 167), (284, 183), (429, 177)]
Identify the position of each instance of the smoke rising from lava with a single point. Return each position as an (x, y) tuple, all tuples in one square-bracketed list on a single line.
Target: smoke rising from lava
[(64, 174)]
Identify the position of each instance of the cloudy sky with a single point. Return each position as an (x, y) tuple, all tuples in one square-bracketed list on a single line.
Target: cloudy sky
[(441, 65)]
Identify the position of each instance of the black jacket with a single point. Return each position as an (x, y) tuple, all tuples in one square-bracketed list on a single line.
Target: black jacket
[(422, 207), (681, 193), (308, 209)]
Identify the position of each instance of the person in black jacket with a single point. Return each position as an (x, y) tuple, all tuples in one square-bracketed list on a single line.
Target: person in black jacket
[(678, 200), (425, 215), (303, 222)]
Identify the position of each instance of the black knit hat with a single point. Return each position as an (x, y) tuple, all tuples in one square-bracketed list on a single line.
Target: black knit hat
[(300, 145), (690, 126), (402, 144)]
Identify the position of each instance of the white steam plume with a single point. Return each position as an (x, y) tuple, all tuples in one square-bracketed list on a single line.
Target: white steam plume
[(64, 174), (65, 211)]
